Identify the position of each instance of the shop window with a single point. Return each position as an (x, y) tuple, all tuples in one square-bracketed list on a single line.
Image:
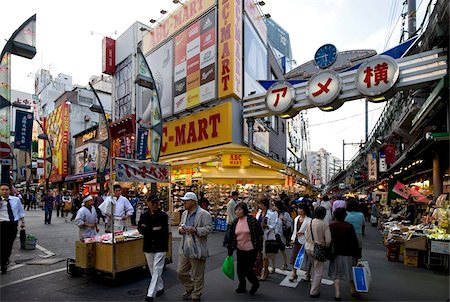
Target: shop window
[(85, 100)]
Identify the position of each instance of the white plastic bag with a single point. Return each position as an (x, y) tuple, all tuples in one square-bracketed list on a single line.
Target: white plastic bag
[(106, 206), (190, 248), (373, 219)]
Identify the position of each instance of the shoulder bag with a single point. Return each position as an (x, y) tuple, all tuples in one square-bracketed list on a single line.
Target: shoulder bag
[(320, 252)]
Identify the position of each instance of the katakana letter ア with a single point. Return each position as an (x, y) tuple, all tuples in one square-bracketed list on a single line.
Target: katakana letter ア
[(381, 73), (283, 91), (323, 88)]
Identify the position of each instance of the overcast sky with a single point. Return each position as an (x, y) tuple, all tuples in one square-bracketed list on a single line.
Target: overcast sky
[(69, 35)]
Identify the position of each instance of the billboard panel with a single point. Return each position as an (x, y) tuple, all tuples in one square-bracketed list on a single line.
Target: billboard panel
[(186, 13), (255, 65), (255, 17), (57, 128), (194, 53), (230, 48), (123, 81), (161, 65)]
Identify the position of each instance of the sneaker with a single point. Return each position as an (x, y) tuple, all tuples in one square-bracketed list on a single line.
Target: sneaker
[(254, 289), (160, 292), (186, 295)]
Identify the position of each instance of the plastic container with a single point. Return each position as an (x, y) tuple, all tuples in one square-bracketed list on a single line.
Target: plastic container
[(30, 244), (393, 252)]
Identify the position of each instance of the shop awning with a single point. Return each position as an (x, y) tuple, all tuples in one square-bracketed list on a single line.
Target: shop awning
[(242, 176), (80, 176)]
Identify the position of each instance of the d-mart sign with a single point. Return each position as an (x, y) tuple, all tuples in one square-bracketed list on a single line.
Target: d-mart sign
[(199, 130)]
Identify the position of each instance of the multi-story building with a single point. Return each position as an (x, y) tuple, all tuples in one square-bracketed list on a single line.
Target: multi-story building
[(322, 166)]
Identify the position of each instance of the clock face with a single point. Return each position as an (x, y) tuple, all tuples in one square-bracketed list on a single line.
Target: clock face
[(325, 55)]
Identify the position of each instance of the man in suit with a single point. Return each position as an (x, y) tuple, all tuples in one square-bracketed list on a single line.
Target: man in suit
[(195, 226), (11, 212)]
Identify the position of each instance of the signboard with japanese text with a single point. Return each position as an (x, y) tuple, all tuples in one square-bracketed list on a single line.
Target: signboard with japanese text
[(389, 150), (23, 130), (203, 129), (108, 55), (323, 88), (256, 62), (382, 162), (141, 171), (57, 128), (279, 97), (186, 13), (235, 160), (161, 64), (406, 192), (230, 48), (377, 76), (195, 64), (372, 166), (142, 143)]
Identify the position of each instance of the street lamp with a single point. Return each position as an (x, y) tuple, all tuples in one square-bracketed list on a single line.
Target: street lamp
[(21, 43)]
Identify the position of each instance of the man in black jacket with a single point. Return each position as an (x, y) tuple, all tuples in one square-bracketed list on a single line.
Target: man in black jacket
[(154, 225)]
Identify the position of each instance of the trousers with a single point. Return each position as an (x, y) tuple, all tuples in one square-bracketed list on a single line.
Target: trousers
[(155, 262), (245, 267), (8, 233), (191, 273), (316, 273)]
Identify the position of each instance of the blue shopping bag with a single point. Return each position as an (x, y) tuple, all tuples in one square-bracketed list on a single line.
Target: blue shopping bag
[(299, 258), (362, 277)]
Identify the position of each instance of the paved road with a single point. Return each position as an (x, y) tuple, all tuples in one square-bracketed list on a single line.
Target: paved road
[(49, 281)]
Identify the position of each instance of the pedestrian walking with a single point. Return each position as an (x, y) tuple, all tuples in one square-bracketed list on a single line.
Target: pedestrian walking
[(356, 218), (66, 205), (154, 226), (195, 226), (268, 219), (203, 201), (98, 201), (58, 203), (326, 203), (246, 238), (122, 209), (33, 203), (298, 239), (27, 198), (86, 219), (134, 201), (76, 205), (339, 202), (345, 252), (11, 212), (318, 232), (49, 205), (231, 216), (284, 221)]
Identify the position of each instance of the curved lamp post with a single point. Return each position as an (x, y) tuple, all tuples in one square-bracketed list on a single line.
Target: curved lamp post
[(21, 43)]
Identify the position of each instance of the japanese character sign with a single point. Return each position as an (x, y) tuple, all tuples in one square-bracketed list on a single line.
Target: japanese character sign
[(139, 171), (323, 88), (372, 166), (377, 76), (280, 97), (23, 130)]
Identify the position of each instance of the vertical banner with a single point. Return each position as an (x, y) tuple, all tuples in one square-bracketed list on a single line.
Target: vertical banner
[(142, 143), (23, 130), (389, 151), (372, 166), (108, 56), (5, 93), (382, 162), (230, 48)]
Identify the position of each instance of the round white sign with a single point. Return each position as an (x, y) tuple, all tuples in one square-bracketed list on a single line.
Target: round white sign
[(377, 75), (323, 88), (280, 97)]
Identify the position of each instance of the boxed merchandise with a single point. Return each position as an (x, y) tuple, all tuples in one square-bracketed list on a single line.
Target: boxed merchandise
[(85, 254), (417, 243), (411, 258)]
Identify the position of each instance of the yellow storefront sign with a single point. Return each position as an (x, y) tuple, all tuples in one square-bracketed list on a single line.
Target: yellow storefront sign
[(230, 48), (235, 160), (186, 13), (198, 130)]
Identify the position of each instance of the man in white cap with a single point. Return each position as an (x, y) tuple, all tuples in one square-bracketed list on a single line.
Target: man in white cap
[(195, 225), (86, 218)]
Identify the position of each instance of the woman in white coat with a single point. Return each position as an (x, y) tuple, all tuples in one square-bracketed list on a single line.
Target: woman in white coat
[(326, 203), (268, 220), (298, 239)]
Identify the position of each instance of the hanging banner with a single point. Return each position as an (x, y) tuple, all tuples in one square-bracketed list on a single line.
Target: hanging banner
[(23, 130), (389, 151), (405, 192), (372, 166), (140, 171), (142, 143), (382, 163)]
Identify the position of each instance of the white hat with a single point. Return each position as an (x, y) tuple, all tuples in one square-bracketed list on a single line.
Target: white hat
[(88, 198), (189, 196)]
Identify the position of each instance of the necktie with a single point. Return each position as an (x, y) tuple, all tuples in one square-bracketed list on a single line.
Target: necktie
[(10, 212)]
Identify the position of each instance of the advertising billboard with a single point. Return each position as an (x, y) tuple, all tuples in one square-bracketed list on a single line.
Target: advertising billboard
[(230, 48), (256, 18), (195, 64), (255, 64), (123, 81), (161, 64), (57, 128)]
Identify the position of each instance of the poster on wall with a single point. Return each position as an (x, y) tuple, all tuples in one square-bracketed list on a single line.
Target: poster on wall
[(372, 166), (123, 82), (255, 60), (195, 64), (161, 65)]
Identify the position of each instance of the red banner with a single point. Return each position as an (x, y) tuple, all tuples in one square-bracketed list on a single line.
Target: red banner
[(405, 192), (389, 150), (108, 56)]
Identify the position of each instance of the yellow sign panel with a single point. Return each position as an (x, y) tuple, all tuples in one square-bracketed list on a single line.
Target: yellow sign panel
[(230, 48), (186, 13), (235, 160), (199, 130)]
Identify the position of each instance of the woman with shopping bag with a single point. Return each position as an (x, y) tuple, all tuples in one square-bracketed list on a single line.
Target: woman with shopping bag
[(301, 222), (246, 237)]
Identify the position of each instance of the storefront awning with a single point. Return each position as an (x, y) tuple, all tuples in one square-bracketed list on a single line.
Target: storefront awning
[(242, 176)]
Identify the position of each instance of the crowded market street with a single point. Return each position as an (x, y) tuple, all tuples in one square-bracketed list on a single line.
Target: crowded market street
[(47, 280)]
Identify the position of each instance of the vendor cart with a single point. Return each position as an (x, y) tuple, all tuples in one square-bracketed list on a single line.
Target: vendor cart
[(118, 252)]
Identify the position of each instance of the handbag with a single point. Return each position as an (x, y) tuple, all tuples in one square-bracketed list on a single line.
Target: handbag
[(258, 266), (320, 252), (272, 246)]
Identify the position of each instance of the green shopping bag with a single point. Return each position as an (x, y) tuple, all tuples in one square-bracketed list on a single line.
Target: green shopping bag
[(228, 267)]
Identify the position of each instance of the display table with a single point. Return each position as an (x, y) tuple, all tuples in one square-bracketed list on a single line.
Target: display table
[(128, 255)]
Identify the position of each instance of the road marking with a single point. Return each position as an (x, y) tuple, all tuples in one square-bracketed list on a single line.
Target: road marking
[(47, 253), (33, 277)]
